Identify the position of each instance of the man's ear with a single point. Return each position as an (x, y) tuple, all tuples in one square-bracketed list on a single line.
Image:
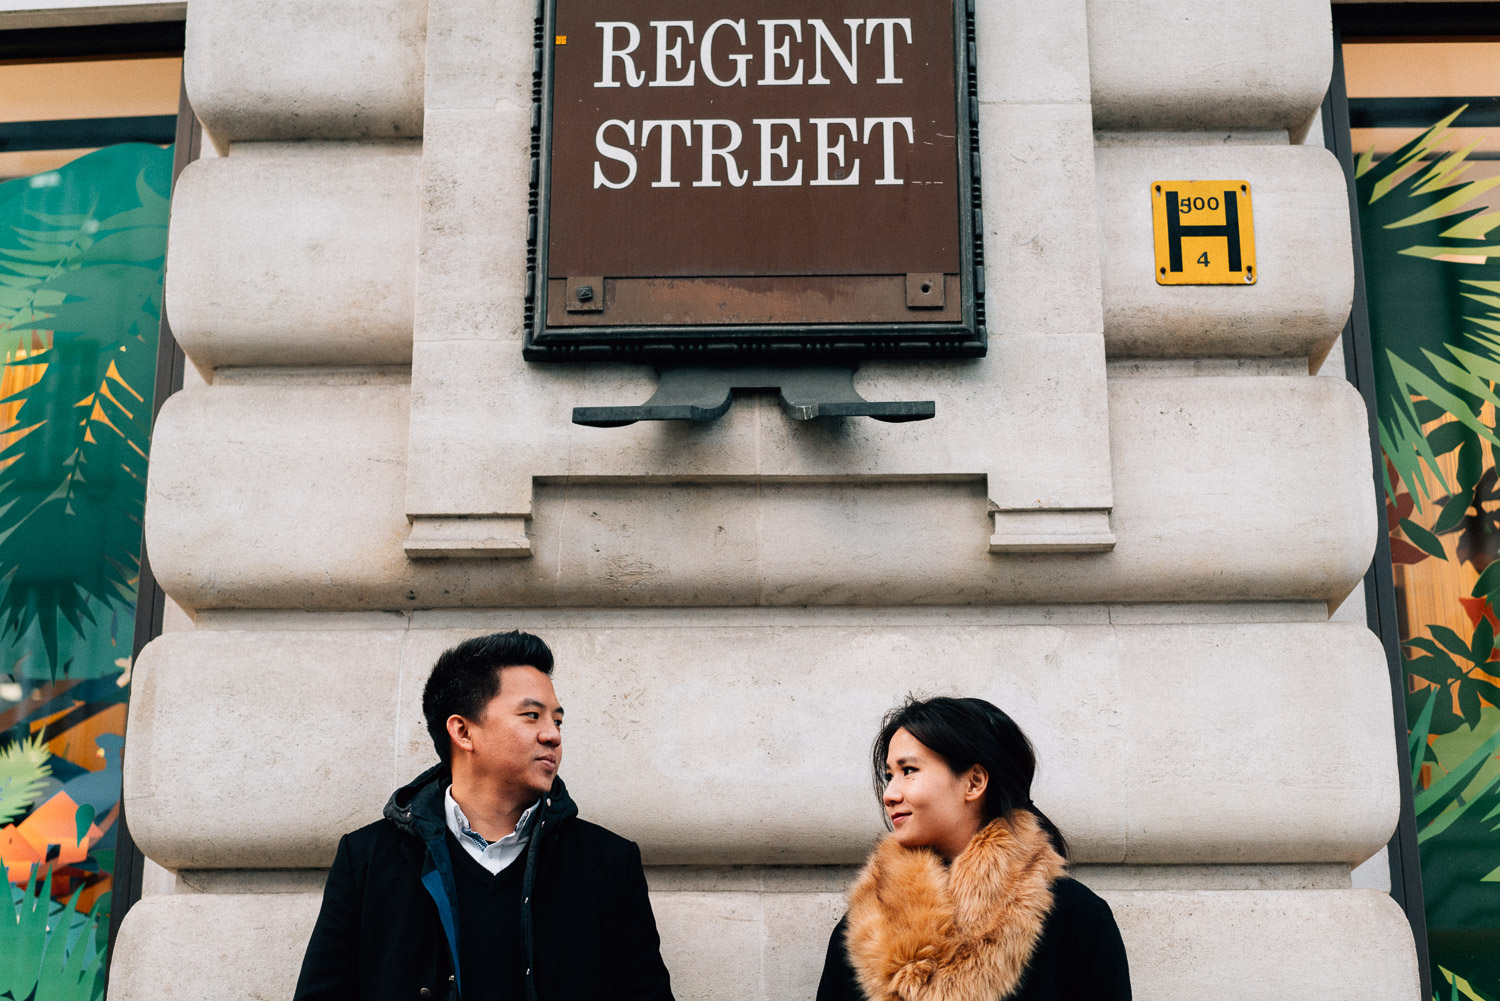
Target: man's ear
[(975, 783), (458, 733)]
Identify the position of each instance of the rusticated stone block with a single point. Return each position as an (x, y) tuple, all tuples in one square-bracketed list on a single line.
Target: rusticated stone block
[(295, 258), (1151, 738), (1211, 65), (315, 69)]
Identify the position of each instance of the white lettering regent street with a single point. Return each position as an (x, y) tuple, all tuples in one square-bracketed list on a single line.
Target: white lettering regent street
[(764, 53)]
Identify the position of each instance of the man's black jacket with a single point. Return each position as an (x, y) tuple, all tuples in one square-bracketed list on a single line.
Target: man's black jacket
[(389, 924)]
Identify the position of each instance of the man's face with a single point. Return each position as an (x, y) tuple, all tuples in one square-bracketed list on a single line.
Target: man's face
[(517, 740)]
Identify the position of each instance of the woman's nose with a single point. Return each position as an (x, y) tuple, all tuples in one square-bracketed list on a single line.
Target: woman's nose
[(891, 795)]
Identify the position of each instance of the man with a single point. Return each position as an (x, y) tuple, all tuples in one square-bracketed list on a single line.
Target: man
[(481, 882)]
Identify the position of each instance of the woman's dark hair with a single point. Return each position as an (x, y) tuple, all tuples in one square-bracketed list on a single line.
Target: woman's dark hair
[(466, 677), (965, 733)]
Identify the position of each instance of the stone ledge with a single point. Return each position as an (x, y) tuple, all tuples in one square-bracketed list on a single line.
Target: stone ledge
[(1044, 531), (1113, 711), (246, 510), (1333, 945), (467, 537)]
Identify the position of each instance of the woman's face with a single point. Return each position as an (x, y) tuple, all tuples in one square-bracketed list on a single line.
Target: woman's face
[(928, 804)]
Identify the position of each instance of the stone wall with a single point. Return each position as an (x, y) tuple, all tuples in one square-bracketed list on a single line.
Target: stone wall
[(1127, 525)]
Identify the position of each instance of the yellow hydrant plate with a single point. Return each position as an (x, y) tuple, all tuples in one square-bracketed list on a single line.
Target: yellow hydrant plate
[(1204, 233)]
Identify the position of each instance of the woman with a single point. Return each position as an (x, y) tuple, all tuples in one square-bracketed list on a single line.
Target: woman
[(968, 898)]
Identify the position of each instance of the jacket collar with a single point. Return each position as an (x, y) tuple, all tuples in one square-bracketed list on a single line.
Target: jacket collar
[(417, 807), (922, 931)]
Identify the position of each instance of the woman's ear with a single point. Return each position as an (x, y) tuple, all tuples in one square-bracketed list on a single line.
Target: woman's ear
[(975, 783)]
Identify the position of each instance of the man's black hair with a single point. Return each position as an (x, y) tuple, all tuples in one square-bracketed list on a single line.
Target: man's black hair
[(466, 677)]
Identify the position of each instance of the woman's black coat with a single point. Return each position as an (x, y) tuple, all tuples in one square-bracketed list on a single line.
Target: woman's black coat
[(1080, 956), (381, 933)]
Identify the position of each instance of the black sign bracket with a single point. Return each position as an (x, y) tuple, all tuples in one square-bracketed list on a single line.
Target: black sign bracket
[(705, 394)]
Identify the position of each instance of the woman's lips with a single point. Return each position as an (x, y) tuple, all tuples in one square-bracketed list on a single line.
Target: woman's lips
[(897, 818)]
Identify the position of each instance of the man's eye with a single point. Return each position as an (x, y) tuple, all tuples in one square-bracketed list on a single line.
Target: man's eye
[(532, 715)]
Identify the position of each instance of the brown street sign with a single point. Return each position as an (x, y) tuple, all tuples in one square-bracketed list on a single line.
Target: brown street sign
[(773, 178)]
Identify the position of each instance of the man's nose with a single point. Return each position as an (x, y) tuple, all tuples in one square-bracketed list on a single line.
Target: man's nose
[(551, 735)]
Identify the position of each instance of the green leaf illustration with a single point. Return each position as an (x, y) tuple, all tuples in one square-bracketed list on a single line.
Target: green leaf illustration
[(1423, 539), (24, 771), (86, 257)]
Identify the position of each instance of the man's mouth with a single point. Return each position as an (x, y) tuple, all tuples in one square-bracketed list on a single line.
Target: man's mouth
[(548, 760)]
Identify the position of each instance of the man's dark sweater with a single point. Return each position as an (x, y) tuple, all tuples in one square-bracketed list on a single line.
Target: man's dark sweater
[(490, 948)]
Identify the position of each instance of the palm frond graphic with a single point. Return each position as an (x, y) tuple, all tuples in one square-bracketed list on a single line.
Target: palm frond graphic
[(1424, 225), (24, 771), (80, 259)]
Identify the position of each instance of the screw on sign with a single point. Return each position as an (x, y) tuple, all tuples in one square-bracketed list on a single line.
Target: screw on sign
[(1203, 232)]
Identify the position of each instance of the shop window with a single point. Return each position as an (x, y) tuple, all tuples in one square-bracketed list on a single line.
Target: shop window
[(86, 168), (1423, 145)]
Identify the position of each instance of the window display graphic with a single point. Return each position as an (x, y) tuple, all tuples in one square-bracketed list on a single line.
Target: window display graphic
[(82, 250), (1432, 272)]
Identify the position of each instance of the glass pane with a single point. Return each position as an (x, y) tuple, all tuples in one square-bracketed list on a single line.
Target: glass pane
[(1425, 124), (82, 247)]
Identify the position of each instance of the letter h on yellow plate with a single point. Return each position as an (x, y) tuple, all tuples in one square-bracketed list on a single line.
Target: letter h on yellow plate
[(1204, 233)]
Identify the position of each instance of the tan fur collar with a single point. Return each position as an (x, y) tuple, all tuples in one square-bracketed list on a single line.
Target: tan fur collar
[(922, 931)]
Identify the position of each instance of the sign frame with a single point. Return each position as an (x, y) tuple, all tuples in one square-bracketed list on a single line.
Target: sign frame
[(758, 343), (1174, 208)]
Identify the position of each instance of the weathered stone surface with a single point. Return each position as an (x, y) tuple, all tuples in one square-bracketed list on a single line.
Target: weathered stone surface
[(305, 722), (354, 463), (1160, 64), (295, 259), (200, 947), (756, 944), (479, 53), (320, 69), (1034, 53), (1300, 300), (246, 509), (471, 276), (1041, 234), (1343, 945), (1151, 738)]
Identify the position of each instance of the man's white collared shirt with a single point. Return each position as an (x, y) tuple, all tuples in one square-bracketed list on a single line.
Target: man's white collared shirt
[(493, 855)]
